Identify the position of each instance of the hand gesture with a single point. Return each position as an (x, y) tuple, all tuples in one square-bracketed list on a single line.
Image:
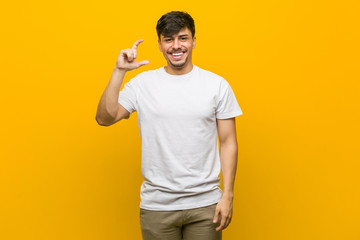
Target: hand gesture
[(126, 60), (223, 213)]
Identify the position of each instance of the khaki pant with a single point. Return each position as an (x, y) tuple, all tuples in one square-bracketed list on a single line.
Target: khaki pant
[(192, 224)]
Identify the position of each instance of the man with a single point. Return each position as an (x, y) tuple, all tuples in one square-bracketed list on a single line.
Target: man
[(181, 111)]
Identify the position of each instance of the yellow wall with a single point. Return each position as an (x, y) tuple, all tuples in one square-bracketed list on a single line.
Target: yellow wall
[(293, 65)]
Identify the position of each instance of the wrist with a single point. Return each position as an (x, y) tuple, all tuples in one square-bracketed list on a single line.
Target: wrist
[(119, 70), (228, 195)]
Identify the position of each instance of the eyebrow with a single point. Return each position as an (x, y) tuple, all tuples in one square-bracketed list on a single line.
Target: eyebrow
[(183, 35)]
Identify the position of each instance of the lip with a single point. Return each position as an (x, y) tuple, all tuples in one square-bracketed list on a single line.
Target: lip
[(179, 57)]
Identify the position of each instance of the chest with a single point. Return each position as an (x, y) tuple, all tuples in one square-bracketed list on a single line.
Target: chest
[(178, 101)]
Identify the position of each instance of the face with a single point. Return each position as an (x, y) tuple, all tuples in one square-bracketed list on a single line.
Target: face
[(177, 49)]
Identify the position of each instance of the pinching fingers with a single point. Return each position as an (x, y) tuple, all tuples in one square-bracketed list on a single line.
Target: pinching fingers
[(136, 44), (129, 54)]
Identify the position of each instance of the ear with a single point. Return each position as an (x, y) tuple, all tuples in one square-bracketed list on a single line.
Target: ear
[(194, 39), (159, 45)]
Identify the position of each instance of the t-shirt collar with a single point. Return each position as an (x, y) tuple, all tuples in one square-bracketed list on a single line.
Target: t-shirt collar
[(172, 76)]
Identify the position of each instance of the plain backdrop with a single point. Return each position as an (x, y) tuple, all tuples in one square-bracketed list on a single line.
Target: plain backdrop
[(294, 68)]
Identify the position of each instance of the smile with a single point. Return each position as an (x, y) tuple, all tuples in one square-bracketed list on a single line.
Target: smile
[(177, 56)]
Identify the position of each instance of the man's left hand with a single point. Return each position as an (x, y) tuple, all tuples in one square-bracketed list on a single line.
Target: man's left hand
[(224, 209)]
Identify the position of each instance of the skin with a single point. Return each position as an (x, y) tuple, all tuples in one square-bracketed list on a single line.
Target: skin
[(228, 158), (180, 42), (110, 111)]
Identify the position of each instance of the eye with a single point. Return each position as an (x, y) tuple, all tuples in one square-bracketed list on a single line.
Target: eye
[(183, 38), (168, 40)]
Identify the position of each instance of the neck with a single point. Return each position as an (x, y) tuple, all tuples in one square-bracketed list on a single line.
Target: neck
[(178, 71)]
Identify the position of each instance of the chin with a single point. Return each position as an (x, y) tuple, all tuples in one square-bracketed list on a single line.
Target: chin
[(178, 65)]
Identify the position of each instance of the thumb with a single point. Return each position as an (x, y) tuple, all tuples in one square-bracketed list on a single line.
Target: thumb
[(142, 63), (217, 211)]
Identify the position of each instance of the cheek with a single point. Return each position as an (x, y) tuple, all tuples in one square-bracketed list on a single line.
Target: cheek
[(164, 49)]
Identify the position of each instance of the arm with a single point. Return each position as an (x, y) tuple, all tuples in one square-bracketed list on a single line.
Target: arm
[(228, 159), (109, 111)]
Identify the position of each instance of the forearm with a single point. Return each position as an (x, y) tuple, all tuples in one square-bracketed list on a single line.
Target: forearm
[(108, 105), (228, 159)]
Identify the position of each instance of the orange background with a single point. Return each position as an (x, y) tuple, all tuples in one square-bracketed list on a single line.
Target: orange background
[(293, 65)]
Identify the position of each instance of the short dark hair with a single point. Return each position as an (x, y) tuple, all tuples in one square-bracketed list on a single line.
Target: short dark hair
[(172, 22)]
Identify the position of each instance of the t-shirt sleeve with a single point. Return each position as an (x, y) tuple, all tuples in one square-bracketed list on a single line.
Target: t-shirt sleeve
[(128, 95), (227, 106)]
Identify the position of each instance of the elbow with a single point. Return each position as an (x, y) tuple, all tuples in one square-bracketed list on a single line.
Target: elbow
[(101, 122), (231, 145)]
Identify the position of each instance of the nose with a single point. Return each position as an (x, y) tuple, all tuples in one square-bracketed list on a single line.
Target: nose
[(176, 44)]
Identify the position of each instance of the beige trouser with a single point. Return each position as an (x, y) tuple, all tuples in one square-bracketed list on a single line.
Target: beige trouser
[(192, 224)]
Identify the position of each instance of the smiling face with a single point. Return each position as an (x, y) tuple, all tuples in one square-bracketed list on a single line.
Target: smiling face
[(177, 50)]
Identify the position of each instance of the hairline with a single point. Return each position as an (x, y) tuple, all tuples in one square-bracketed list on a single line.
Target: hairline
[(178, 33)]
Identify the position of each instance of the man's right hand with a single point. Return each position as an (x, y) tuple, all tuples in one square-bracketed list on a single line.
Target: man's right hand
[(126, 60)]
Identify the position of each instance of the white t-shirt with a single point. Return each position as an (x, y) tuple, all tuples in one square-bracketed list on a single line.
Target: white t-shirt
[(177, 116)]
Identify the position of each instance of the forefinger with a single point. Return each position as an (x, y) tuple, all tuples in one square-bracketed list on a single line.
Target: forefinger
[(222, 224), (136, 44)]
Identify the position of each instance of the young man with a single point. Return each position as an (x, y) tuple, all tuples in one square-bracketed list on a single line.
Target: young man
[(181, 111)]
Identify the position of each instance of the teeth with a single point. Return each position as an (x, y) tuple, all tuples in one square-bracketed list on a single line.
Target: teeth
[(177, 54)]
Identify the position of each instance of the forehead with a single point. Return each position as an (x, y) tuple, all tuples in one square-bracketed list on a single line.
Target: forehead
[(183, 31)]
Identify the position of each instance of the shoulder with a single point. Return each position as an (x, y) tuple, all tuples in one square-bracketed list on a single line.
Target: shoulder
[(212, 77), (146, 75), (149, 73), (209, 74), (138, 79)]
